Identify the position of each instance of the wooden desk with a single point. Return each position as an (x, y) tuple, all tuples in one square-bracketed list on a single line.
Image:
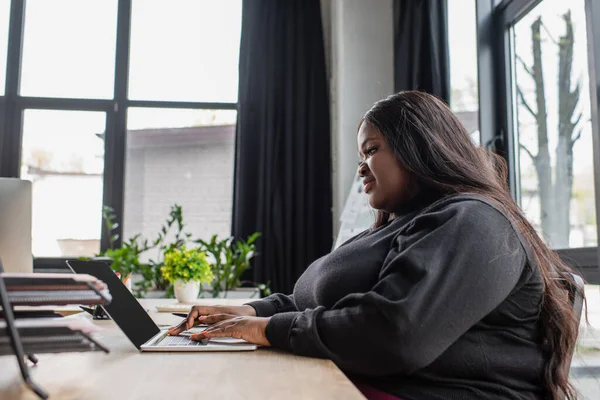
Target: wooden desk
[(126, 373)]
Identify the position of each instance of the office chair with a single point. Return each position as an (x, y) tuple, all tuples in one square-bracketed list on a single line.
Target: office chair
[(576, 295), (576, 291)]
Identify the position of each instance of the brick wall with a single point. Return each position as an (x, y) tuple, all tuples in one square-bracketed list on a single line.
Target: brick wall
[(198, 175)]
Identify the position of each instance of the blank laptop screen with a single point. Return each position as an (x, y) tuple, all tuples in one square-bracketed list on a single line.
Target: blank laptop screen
[(124, 309)]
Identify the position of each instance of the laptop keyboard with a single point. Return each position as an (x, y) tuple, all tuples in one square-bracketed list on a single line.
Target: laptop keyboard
[(179, 341)]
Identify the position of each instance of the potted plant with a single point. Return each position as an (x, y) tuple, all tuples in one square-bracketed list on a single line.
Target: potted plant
[(164, 243), (229, 260), (186, 269)]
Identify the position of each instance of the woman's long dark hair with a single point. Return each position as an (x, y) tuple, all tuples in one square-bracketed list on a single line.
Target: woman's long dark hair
[(431, 143)]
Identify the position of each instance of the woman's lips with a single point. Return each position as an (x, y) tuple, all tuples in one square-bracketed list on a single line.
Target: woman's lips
[(368, 186)]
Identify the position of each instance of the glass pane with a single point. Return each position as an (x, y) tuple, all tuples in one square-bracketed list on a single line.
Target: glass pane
[(182, 157), (553, 125), (69, 48), (185, 50), (462, 39), (4, 18), (63, 156)]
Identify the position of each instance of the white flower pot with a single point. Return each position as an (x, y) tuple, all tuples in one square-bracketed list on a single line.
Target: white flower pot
[(186, 292)]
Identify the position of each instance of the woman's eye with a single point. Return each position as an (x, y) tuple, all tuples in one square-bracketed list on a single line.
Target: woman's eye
[(371, 151)]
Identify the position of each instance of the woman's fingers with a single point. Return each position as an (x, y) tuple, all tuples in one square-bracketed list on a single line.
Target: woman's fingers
[(213, 319), (176, 330), (190, 321), (228, 328), (200, 315), (251, 329), (215, 333), (194, 314)]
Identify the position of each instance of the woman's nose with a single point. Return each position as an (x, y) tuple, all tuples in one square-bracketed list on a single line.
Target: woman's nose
[(362, 169)]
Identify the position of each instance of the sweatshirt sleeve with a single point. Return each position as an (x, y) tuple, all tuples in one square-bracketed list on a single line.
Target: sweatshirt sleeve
[(273, 304), (447, 270)]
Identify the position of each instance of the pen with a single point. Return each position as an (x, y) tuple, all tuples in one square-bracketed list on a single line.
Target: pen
[(126, 278), (180, 314)]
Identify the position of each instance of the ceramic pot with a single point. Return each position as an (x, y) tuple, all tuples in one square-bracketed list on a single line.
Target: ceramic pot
[(186, 292)]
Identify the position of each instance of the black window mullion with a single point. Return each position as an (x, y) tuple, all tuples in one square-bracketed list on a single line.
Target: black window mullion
[(494, 83), (181, 104), (485, 70), (47, 103), (10, 132), (115, 144), (513, 10), (505, 95)]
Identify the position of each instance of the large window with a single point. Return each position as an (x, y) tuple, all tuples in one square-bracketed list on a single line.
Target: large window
[(552, 123), (129, 104), (537, 61)]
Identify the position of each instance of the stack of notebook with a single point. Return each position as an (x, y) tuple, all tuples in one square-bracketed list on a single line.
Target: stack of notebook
[(54, 289), (27, 336), (51, 336), (45, 335)]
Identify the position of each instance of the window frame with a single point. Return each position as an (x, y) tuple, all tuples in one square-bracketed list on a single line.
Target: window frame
[(494, 21), (12, 106)]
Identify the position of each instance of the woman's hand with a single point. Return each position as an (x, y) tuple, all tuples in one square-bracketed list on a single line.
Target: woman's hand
[(211, 315), (251, 329)]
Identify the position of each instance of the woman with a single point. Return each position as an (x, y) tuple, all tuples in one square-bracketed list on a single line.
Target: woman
[(451, 294)]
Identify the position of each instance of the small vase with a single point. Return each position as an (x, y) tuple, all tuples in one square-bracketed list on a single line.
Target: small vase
[(186, 292)]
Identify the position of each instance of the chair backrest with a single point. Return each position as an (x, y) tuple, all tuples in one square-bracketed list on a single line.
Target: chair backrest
[(576, 295), (576, 289)]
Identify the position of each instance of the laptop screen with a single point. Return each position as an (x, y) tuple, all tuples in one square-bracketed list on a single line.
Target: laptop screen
[(124, 309)]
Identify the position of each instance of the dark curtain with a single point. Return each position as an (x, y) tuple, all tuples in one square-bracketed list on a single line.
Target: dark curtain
[(282, 185), (421, 47)]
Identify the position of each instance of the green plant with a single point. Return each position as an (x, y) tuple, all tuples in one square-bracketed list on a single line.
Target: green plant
[(187, 265), (152, 272), (229, 261), (126, 258)]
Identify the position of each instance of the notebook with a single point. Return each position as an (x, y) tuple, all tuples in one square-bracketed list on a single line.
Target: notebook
[(54, 289), (51, 335)]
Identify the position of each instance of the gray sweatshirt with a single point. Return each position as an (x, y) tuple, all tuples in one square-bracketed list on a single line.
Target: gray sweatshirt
[(440, 303)]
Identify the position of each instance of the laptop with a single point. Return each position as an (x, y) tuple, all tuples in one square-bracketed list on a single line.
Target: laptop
[(137, 325)]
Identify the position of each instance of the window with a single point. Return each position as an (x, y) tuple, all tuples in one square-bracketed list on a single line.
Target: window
[(137, 130), (184, 157), (63, 157), (69, 48), (537, 113), (185, 50), (462, 40), (552, 123)]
